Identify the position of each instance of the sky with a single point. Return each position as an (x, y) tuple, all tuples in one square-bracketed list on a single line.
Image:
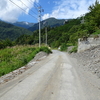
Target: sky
[(27, 10)]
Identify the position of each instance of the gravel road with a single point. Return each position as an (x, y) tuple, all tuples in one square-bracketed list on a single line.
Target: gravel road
[(54, 78)]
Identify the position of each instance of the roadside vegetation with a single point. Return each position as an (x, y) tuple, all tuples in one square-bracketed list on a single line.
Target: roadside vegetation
[(74, 49), (12, 58)]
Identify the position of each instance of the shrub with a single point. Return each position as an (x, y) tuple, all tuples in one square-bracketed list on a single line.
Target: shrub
[(63, 47), (45, 49), (73, 50)]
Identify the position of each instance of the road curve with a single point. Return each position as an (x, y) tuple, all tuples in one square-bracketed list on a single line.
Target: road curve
[(53, 78)]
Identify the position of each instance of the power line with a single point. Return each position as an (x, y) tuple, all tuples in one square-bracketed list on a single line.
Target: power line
[(38, 4), (35, 5), (39, 11), (23, 9), (28, 7), (30, 1)]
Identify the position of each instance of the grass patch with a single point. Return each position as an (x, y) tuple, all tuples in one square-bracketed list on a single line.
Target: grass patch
[(17, 56), (97, 32), (65, 46), (73, 50)]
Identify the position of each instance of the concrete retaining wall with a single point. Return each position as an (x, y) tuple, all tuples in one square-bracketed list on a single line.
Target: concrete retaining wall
[(87, 44)]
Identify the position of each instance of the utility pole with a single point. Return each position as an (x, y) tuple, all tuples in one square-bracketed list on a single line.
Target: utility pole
[(82, 21), (83, 18), (39, 11), (46, 35), (46, 24)]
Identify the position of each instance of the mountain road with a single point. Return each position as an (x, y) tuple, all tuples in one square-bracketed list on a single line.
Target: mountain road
[(53, 78)]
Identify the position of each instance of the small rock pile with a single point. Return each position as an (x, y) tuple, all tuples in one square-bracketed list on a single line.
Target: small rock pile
[(13, 74), (89, 60)]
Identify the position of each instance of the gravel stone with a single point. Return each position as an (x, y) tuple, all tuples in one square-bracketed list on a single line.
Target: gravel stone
[(89, 60)]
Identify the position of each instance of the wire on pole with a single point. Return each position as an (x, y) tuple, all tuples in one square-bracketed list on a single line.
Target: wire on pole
[(22, 9), (39, 11), (27, 7)]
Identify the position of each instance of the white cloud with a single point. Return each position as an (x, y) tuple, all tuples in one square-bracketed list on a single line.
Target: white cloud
[(46, 16), (10, 12), (69, 9)]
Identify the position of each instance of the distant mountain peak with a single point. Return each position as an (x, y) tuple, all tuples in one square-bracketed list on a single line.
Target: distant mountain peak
[(27, 23), (23, 24), (52, 22)]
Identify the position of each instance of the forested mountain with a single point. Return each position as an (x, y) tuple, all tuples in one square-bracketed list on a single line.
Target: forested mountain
[(51, 22), (23, 24), (68, 33), (11, 32), (56, 36)]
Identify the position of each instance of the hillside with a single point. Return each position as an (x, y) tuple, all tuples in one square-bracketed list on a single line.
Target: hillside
[(11, 32), (52, 22), (56, 36), (23, 24)]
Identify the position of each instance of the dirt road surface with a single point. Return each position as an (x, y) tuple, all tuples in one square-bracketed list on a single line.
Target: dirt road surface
[(53, 78)]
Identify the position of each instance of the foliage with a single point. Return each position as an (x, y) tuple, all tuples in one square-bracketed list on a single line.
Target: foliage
[(17, 56), (56, 36), (5, 43), (97, 32), (73, 50), (45, 49), (11, 32), (93, 17), (63, 47)]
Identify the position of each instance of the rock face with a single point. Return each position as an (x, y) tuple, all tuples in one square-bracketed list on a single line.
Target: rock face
[(90, 60), (19, 71)]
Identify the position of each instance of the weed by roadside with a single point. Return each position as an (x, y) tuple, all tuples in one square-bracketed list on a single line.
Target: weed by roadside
[(17, 56), (74, 49)]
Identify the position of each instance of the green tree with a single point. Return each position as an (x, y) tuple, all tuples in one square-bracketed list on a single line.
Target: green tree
[(93, 18)]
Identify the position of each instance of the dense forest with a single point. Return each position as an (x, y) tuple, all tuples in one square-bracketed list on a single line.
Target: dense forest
[(11, 32), (67, 34)]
